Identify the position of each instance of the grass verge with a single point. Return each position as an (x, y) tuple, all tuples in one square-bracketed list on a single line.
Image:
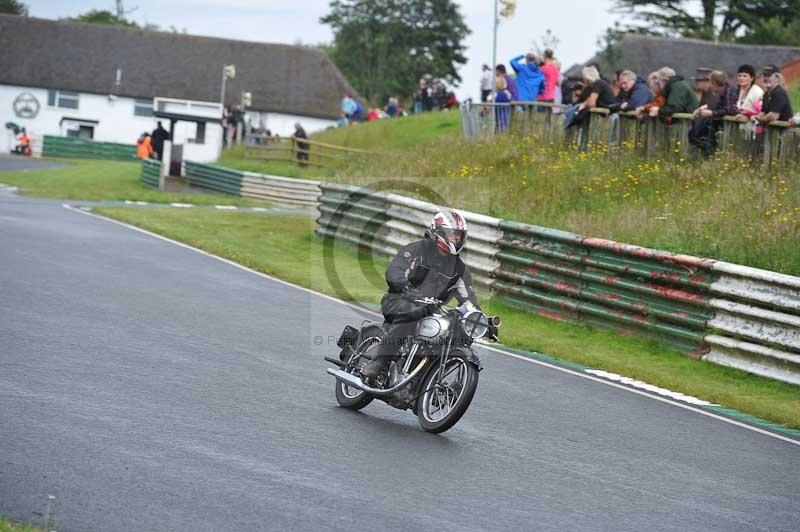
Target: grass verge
[(10, 526), (285, 247), (723, 207), (95, 180)]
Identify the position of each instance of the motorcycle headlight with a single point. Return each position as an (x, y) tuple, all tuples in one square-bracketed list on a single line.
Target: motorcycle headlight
[(475, 324)]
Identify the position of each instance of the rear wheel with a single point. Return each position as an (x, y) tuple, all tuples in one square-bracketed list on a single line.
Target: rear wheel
[(347, 396), (449, 393)]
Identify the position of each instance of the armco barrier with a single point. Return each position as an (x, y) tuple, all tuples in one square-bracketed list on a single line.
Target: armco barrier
[(725, 313), (278, 190), (86, 148), (151, 170), (385, 222)]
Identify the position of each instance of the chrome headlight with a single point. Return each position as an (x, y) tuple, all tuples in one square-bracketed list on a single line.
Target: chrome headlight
[(475, 324)]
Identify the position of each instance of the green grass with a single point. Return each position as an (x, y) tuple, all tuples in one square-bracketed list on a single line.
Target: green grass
[(94, 180), (10, 526), (286, 247), (722, 208)]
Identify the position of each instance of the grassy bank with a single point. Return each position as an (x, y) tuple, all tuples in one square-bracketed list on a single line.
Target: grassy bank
[(94, 180), (722, 208), (10, 526), (287, 248)]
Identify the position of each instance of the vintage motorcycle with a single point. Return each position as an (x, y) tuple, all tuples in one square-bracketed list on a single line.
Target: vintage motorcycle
[(435, 374)]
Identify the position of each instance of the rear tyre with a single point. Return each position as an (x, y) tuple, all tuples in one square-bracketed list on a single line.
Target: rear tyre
[(347, 396), (442, 405)]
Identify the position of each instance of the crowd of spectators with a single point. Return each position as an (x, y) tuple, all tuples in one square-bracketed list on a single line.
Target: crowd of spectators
[(757, 98)]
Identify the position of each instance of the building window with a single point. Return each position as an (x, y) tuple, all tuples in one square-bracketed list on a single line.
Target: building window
[(200, 134), (143, 107), (65, 99)]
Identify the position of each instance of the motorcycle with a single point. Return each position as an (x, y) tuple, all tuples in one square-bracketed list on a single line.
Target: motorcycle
[(435, 374)]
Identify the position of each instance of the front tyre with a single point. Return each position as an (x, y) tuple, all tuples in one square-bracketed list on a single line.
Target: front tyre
[(347, 396), (449, 393)]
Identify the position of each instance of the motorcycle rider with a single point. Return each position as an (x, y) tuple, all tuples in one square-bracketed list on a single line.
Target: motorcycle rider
[(431, 267)]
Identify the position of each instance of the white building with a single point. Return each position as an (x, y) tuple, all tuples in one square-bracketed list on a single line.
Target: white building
[(101, 82)]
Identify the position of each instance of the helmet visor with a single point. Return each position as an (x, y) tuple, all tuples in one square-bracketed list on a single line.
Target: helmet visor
[(454, 236)]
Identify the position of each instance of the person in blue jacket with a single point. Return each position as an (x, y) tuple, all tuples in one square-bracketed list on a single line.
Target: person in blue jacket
[(635, 92), (530, 78)]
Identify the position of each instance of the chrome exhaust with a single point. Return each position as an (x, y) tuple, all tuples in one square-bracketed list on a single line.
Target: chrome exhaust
[(351, 380)]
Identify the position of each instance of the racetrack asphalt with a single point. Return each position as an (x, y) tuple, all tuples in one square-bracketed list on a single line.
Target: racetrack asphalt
[(150, 387)]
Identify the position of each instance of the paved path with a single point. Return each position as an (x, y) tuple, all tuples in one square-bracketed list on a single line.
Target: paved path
[(150, 387)]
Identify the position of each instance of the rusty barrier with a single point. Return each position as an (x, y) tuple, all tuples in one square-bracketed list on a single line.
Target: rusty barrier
[(725, 313)]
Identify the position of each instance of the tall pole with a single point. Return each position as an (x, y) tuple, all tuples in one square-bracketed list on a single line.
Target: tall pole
[(495, 20), (222, 95)]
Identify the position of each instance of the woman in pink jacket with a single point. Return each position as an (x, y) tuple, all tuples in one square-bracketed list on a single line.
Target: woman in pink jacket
[(551, 73)]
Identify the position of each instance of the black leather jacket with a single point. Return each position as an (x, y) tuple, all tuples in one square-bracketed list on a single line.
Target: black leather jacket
[(448, 275)]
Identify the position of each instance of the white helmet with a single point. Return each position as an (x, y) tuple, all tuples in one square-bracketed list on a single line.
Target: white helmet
[(449, 230)]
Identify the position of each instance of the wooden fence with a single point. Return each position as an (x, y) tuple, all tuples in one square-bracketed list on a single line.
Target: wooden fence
[(287, 149), (613, 132)]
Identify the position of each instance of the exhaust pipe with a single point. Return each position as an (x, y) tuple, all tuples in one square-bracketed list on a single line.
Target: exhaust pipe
[(494, 320), (351, 380)]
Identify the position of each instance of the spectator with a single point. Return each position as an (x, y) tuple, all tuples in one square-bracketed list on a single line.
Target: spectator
[(634, 91), (678, 96), (598, 92), (552, 74), (486, 83), (144, 147), (391, 107), (703, 134), (776, 104), (302, 147), (750, 95), (727, 96), (374, 114), (24, 145), (703, 90), (511, 83), (658, 98), (501, 96), (159, 136), (343, 121), (419, 96), (349, 106), (530, 80)]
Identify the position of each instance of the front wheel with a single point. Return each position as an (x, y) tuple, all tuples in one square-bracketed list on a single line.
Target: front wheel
[(347, 396), (448, 393)]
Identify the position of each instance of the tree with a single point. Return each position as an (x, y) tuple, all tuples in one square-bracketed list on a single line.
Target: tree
[(96, 16), (12, 7), (754, 21), (548, 40), (384, 46)]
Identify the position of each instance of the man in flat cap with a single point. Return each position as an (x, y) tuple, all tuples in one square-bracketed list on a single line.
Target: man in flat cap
[(776, 104), (702, 88)]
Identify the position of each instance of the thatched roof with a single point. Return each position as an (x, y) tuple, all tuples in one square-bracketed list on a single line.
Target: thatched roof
[(645, 53), (85, 57)]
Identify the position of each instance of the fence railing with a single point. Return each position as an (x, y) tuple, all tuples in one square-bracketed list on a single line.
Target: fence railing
[(779, 142), (724, 313), (297, 151)]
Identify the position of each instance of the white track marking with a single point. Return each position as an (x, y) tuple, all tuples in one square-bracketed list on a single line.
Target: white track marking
[(226, 207), (649, 387), (182, 205), (259, 209), (576, 373)]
